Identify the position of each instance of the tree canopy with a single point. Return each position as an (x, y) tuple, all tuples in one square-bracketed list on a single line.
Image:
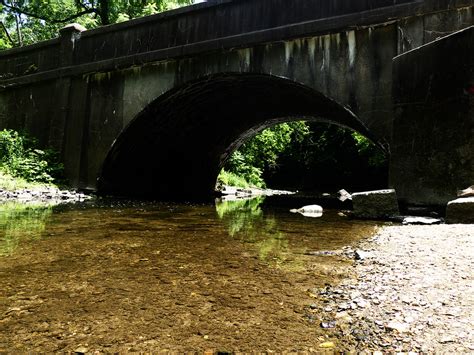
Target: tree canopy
[(308, 156), (28, 21)]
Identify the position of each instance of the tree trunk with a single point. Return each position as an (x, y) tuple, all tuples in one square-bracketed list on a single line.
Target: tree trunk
[(104, 12)]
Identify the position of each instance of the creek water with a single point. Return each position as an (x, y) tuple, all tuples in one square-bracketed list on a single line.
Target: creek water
[(123, 276)]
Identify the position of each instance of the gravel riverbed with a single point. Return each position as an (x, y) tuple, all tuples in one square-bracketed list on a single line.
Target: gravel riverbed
[(49, 195), (412, 291)]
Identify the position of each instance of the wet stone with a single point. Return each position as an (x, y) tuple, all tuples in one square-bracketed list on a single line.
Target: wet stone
[(460, 210), (328, 324), (361, 255), (375, 204)]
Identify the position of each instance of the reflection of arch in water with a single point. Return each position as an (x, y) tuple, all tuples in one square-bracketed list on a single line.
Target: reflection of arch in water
[(176, 146)]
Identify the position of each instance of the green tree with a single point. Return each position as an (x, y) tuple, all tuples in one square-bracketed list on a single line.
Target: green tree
[(30, 21), (330, 157), (308, 156), (261, 152), (20, 157)]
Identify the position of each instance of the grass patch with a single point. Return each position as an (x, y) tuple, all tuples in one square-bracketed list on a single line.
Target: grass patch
[(11, 183), (231, 179)]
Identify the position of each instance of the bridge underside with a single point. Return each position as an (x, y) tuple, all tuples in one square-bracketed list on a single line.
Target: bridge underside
[(176, 146)]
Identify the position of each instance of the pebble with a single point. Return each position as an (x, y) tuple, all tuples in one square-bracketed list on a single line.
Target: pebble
[(410, 290), (343, 306), (399, 327), (327, 345), (447, 339), (361, 255), (328, 324), (50, 195)]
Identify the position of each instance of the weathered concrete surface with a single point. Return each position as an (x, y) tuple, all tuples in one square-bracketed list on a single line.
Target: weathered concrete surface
[(433, 131), (460, 210), (84, 91), (188, 133), (375, 204)]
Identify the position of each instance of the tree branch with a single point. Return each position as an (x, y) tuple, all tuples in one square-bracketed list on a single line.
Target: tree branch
[(39, 17), (80, 4), (7, 33)]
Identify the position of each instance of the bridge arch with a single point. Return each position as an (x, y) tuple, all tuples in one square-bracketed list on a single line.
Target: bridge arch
[(176, 146)]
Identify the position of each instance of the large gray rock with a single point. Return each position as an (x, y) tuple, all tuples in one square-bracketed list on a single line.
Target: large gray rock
[(460, 210), (375, 204), (466, 192)]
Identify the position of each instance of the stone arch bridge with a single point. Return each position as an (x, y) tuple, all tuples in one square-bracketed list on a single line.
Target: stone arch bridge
[(146, 106)]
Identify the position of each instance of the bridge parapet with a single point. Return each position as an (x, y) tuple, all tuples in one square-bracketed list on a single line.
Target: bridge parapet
[(207, 27)]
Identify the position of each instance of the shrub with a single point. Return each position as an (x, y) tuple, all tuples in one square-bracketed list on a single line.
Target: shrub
[(20, 157), (232, 179)]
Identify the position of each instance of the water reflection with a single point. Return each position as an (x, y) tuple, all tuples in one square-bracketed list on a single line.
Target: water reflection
[(311, 214), (312, 211), (21, 222), (273, 235), (284, 239), (246, 221), (241, 216)]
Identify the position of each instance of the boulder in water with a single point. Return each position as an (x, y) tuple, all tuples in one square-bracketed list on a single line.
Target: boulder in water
[(309, 211), (344, 195), (460, 210), (375, 204), (466, 192)]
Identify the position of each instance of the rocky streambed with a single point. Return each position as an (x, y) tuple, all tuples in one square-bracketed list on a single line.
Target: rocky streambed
[(48, 195), (412, 290)]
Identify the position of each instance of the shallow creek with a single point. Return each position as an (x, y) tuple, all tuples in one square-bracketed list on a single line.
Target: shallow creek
[(124, 276)]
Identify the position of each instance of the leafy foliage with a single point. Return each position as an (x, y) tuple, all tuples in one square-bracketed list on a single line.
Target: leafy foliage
[(30, 21), (306, 156), (232, 179), (20, 158), (366, 148), (331, 157), (261, 152)]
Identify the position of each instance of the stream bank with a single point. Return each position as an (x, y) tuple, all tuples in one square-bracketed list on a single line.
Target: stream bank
[(411, 290), (43, 194)]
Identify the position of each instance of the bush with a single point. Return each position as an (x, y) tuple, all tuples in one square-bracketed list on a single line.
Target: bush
[(20, 157), (232, 179), (261, 153), (309, 156)]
